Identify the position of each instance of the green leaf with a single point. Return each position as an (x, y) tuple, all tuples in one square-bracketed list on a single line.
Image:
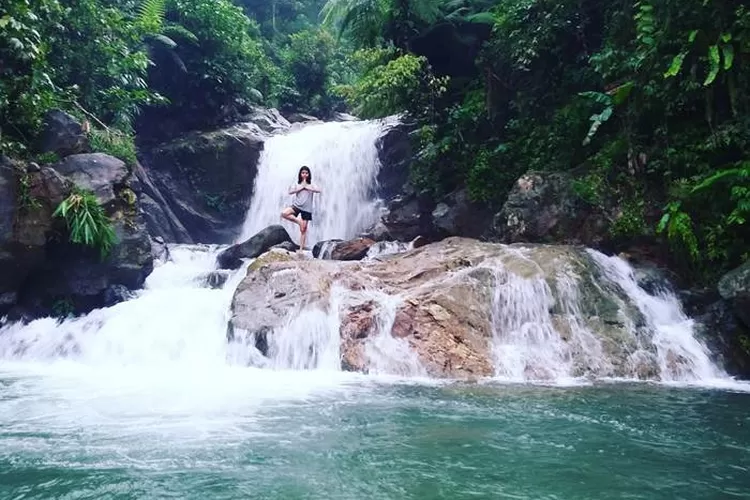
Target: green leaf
[(714, 60), (728, 53), (621, 93), (4, 21), (692, 35), (676, 65)]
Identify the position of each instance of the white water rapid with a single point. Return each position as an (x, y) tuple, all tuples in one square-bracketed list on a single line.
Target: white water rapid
[(343, 159)]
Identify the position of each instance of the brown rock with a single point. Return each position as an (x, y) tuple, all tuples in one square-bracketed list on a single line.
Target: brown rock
[(352, 250), (444, 313)]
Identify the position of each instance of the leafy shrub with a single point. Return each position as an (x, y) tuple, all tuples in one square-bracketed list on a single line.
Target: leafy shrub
[(113, 142), (87, 222), (403, 83)]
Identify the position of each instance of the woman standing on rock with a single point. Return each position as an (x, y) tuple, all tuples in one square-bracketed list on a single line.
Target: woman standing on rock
[(302, 204)]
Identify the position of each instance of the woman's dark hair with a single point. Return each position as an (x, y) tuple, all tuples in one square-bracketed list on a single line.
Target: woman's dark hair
[(299, 175)]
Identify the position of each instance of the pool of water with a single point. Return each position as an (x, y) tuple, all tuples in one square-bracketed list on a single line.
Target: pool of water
[(69, 431)]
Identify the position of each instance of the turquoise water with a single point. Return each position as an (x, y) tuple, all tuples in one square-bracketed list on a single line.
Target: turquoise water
[(70, 433)]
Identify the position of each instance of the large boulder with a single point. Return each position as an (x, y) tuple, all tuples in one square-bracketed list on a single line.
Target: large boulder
[(98, 172), (43, 272), (544, 208), (458, 308), (409, 215), (205, 180), (160, 220), (395, 154), (727, 337), (269, 120), (734, 287), (62, 134), (231, 258), (457, 215)]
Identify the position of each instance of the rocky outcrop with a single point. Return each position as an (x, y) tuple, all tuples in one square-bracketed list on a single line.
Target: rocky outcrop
[(457, 215), (734, 287), (269, 120), (97, 172), (301, 118), (43, 273), (457, 300), (62, 134), (544, 208), (203, 181), (395, 154), (231, 258), (727, 337), (408, 216)]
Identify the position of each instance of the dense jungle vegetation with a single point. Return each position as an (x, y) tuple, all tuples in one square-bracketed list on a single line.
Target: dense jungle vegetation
[(645, 103)]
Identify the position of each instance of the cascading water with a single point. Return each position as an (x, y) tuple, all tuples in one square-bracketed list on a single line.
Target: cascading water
[(542, 333), (680, 355), (343, 158), (539, 329)]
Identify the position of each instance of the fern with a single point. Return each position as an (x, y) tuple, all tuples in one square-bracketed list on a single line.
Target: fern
[(679, 228), (87, 223), (151, 15)]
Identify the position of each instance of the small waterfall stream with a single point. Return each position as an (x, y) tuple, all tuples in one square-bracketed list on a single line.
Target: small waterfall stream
[(343, 159)]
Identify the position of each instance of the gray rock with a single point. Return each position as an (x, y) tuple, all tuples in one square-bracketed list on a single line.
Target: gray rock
[(131, 259), (343, 117), (203, 183), (62, 134), (726, 336), (231, 258), (457, 215), (395, 154), (214, 279), (97, 172), (160, 219), (289, 246), (409, 216), (115, 294), (543, 208), (265, 298), (378, 232), (268, 120), (301, 118), (734, 287), (7, 201)]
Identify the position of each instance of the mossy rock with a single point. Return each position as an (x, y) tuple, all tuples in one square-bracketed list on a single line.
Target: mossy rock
[(271, 257)]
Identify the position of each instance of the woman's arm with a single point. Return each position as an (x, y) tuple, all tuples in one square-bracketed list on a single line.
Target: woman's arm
[(314, 188), (294, 189)]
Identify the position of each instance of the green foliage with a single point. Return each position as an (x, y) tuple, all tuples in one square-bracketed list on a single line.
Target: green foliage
[(403, 83), (308, 61), (115, 143), (87, 222), (228, 60)]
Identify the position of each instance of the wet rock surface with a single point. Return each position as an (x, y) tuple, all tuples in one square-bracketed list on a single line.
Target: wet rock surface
[(451, 303)]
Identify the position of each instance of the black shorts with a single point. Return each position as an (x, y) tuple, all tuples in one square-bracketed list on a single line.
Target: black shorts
[(305, 215)]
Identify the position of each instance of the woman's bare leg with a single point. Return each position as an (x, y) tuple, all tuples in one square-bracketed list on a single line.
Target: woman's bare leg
[(288, 214), (302, 233)]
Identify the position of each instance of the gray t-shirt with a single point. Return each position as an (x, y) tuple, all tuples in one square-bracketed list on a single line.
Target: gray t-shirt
[(303, 199)]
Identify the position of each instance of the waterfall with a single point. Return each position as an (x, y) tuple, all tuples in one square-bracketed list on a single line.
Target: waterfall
[(681, 357), (545, 328), (543, 323), (343, 158)]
